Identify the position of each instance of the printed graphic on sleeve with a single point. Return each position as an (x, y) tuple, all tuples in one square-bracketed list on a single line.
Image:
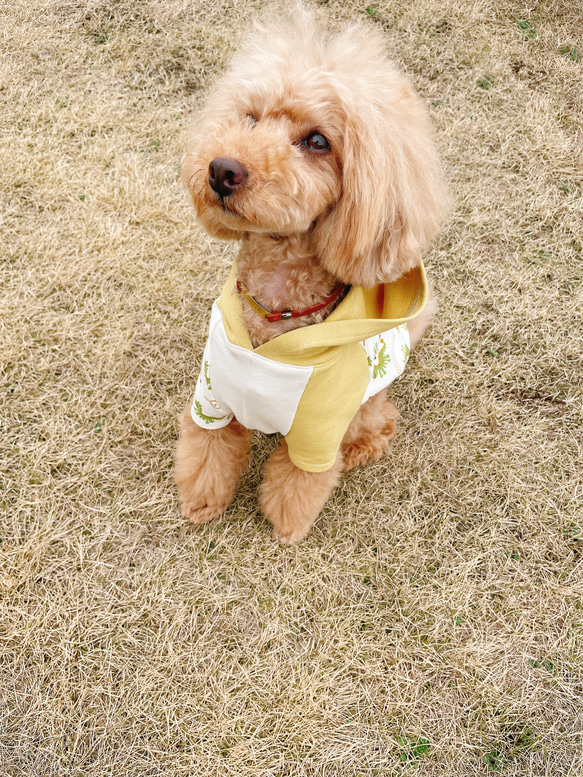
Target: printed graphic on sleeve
[(379, 362), (387, 355), (206, 375), (205, 409), (208, 419)]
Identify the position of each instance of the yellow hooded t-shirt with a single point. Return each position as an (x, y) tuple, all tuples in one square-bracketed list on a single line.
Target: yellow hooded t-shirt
[(307, 384)]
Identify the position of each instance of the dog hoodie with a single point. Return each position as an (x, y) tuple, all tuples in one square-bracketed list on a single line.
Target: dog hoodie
[(307, 384)]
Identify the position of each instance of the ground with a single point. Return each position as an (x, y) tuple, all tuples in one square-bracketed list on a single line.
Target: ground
[(431, 624)]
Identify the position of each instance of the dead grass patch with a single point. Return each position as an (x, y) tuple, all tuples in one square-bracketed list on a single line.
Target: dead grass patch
[(431, 623)]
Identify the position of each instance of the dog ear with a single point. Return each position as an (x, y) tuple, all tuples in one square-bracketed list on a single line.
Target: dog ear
[(393, 197)]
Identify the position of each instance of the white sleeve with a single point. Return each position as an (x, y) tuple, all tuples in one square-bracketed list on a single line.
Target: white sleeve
[(387, 354), (206, 411)]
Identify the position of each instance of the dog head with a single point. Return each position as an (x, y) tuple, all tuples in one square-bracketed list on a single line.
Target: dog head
[(319, 133)]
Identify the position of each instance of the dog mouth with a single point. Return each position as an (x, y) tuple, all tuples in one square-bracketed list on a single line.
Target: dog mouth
[(227, 206), (230, 208)]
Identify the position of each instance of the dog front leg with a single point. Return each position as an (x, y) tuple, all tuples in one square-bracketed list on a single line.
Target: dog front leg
[(291, 498), (208, 466)]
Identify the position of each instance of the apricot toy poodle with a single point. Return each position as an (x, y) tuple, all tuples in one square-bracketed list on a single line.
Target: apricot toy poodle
[(314, 152)]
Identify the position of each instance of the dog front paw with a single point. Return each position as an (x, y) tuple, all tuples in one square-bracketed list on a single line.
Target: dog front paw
[(208, 466), (291, 498), (199, 513), (291, 536)]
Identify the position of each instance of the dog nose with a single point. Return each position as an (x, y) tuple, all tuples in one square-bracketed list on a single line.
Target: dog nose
[(226, 175)]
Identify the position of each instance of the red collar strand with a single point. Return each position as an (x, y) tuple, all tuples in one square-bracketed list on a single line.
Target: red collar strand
[(273, 316)]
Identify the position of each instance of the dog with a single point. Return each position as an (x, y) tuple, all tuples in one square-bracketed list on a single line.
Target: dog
[(315, 153)]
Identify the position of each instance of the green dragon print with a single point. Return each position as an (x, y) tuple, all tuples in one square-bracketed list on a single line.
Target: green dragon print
[(206, 375), (208, 419), (382, 359)]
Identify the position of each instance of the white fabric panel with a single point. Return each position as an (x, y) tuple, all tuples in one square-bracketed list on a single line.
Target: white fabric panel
[(387, 355), (262, 394)]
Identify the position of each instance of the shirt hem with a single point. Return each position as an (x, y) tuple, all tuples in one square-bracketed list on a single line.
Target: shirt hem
[(307, 466)]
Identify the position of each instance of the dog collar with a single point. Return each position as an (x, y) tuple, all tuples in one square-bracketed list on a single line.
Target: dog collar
[(284, 315)]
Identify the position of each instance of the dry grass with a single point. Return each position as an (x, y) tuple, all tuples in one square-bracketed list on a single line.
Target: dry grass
[(431, 624)]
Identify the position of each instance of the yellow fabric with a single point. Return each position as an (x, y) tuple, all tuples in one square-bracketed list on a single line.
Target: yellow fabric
[(333, 347), (315, 436)]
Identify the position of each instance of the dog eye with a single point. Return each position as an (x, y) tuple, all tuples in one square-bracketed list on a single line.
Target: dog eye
[(251, 118), (317, 142)]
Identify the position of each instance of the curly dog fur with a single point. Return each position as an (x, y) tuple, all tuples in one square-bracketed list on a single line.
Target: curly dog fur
[(326, 172)]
